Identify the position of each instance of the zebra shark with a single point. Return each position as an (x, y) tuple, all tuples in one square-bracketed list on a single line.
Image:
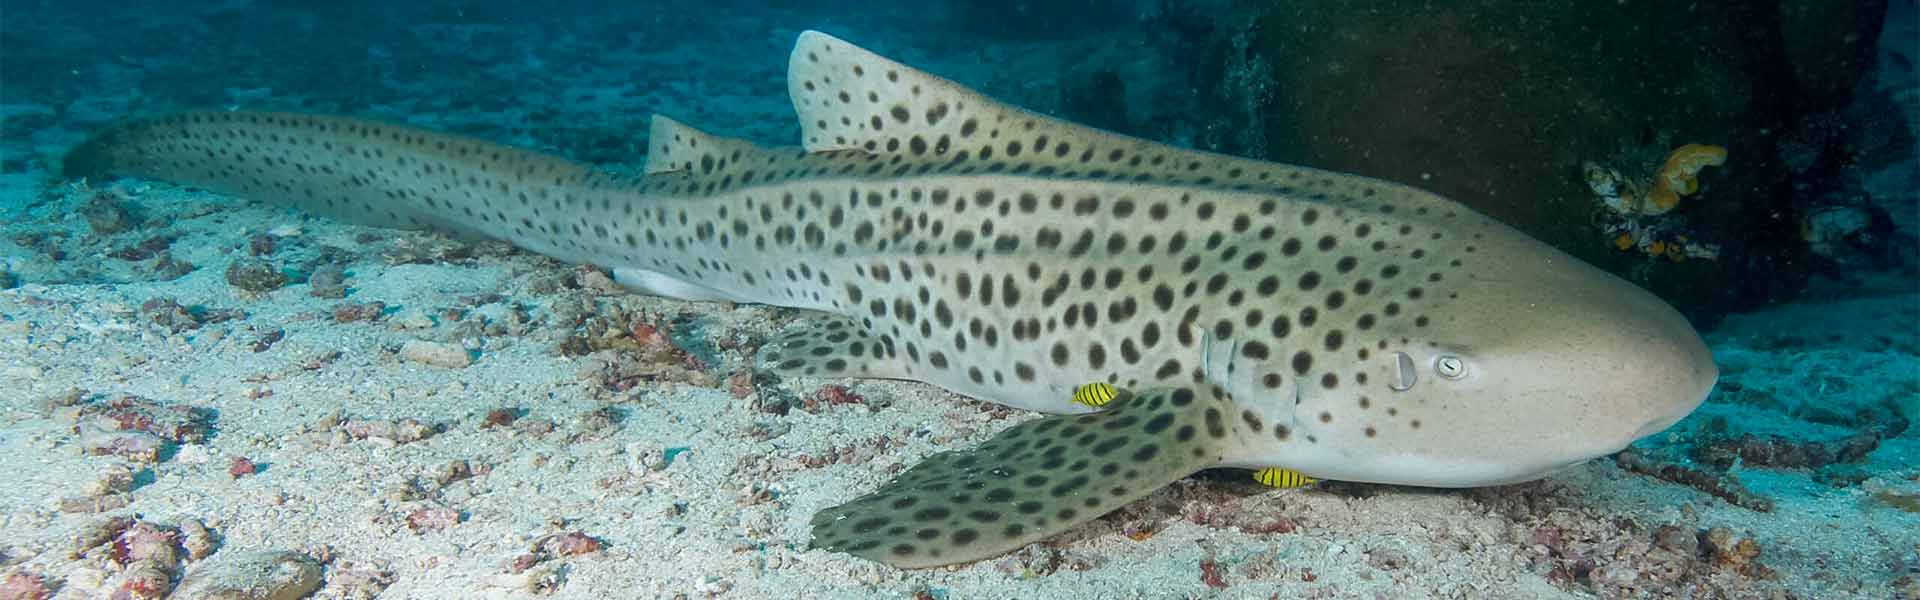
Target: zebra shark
[(1267, 315)]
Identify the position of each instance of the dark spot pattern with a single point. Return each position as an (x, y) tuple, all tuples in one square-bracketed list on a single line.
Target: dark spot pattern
[(1038, 477)]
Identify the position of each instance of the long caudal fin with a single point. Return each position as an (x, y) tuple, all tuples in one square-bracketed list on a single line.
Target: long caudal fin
[(1032, 481), (360, 171)]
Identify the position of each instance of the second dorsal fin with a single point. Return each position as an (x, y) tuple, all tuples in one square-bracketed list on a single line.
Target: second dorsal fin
[(676, 147)]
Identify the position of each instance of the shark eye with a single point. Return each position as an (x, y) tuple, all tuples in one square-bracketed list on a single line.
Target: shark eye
[(1450, 367)]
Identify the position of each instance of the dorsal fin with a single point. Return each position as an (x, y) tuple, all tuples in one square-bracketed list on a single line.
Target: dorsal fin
[(849, 98), (679, 148)]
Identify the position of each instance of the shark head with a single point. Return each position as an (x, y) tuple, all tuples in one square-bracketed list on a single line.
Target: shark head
[(1539, 362)]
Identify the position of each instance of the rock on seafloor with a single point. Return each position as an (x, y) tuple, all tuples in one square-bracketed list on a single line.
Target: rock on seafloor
[(436, 354), (267, 575)]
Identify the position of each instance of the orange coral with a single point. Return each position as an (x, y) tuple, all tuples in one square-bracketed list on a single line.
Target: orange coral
[(1679, 176)]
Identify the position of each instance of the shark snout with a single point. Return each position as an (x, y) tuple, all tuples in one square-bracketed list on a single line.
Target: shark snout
[(1679, 373), (1595, 360), (1650, 365)]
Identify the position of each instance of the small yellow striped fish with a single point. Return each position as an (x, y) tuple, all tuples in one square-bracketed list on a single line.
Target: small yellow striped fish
[(1282, 478), (1095, 394)]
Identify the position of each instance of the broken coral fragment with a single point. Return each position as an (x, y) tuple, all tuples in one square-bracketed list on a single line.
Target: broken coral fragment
[(131, 445), (130, 427), (403, 431)]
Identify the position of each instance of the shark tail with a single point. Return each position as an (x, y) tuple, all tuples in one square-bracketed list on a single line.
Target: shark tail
[(360, 171)]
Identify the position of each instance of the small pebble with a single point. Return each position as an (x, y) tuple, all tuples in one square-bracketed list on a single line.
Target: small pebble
[(355, 580), (358, 311), (196, 539), (328, 421), (572, 543), (413, 318), (452, 471), (106, 214), (436, 354), (193, 454), (404, 431), (131, 445), (114, 479), (500, 417), (95, 504), (327, 281), (241, 466), (255, 275), (432, 518)]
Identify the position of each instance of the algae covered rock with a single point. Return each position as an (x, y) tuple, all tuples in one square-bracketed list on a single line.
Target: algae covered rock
[(270, 575), (1499, 104), (106, 214), (254, 275)]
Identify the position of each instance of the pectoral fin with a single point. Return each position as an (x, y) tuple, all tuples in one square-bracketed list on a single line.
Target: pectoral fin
[(1032, 481), (831, 346)]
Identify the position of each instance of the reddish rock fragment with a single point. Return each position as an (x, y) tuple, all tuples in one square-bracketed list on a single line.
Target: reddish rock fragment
[(831, 395), (24, 585), (241, 466), (1740, 554), (432, 518), (740, 384), (500, 417), (134, 446), (523, 562), (261, 244), (175, 423), (144, 581), (267, 339), (353, 312), (1210, 574), (572, 543)]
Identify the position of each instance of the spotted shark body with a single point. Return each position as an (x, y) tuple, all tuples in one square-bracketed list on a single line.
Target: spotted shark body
[(1266, 315)]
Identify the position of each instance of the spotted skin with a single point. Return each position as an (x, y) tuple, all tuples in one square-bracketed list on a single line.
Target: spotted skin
[(947, 238), (1034, 480)]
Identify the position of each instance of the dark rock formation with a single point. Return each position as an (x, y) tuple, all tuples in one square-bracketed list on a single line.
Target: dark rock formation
[(1497, 104)]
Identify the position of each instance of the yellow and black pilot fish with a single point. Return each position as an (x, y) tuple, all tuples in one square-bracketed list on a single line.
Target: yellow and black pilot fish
[(1096, 394), (1282, 478)]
